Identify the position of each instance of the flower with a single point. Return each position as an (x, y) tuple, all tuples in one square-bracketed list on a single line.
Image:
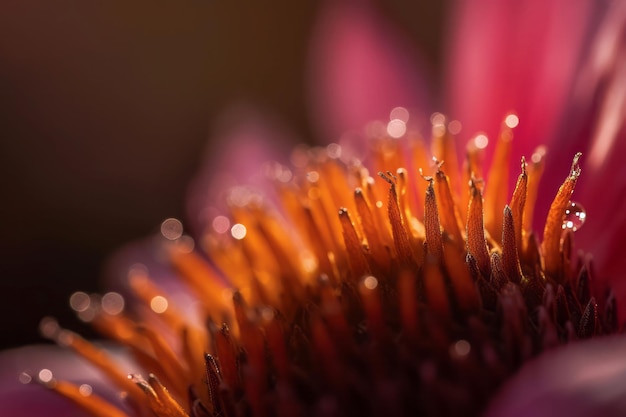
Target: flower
[(346, 294)]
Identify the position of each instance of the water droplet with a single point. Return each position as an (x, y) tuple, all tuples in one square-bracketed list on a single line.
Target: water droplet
[(172, 228), (112, 303), (80, 301), (511, 121), (45, 375), (159, 304), (370, 282), (396, 128), (85, 390), (574, 216), (238, 231), (25, 378), (221, 224), (460, 348)]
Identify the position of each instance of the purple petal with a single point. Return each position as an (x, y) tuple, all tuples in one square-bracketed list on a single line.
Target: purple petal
[(242, 141), (148, 258), (581, 379), (515, 56), (603, 183), (31, 399), (360, 69)]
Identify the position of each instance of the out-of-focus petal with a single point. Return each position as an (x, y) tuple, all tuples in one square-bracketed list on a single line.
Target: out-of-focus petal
[(580, 379), (360, 68), (242, 141), (31, 399), (514, 56), (148, 258), (603, 184)]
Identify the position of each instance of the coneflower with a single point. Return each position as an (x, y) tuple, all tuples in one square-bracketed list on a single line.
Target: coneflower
[(399, 285)]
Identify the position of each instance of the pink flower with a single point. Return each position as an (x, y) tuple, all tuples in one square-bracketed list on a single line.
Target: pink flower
[(376, 310)]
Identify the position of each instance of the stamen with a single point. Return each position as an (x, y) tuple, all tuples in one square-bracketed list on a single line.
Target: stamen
[(447, 209), (372, 232), (497, 190), (90, 352), (551, 246), (518, 202), (358, 263), (92, 403), (434, 243), (476, 242), (510, 260), (535, 171), (400, 234)]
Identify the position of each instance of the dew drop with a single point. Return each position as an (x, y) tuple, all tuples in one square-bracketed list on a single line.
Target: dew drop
[(370, 282), (172, 229), (574, 216), (25, 378), (159, 304), (85, 390), (45, 375), (112, 303), (80, 301), (460, 349)]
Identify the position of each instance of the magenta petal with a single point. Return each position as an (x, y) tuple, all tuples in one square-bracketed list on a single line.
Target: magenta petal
[(603, 183), (514, 56), (148, 258), (359, 69), (581, 379), (242, 141), (19, 400)]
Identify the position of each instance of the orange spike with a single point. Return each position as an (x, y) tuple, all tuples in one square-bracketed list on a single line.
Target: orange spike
[(326, 351), (420, 161), (50, 329), (194, 344), (227, 354), (476, 243), (317, 241), (407, 298), (444, 149), (497, 189), (356, 257), (535, 171), (175, 371), (93, 404), (160, 401), (435, 289), (551, 246), (447, 209), (372, 233), (147, 290), (465, 292), (434, 242), (518, 202), (200, 276), (510, 259), (276, 344), (400, 235), (370, 295)]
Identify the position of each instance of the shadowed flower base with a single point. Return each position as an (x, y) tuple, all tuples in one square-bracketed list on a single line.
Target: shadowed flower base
[(349, 294)]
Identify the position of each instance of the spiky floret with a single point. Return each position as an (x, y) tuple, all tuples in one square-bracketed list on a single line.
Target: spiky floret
[(356, 295)]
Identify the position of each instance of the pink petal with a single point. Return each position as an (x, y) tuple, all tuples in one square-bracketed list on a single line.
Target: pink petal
[(603, 182), (581, 379), (242, 141), (19, 400), (515, 56), (360, 69), (148, 258)]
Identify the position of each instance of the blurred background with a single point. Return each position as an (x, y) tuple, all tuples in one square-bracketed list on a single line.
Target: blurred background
[(105, 112)]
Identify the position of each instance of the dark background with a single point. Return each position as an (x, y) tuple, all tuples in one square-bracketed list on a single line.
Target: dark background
[(105, 109)]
